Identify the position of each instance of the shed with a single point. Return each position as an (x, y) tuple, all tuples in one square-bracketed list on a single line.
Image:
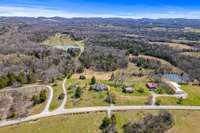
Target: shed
[(99, 87), (128, 90)]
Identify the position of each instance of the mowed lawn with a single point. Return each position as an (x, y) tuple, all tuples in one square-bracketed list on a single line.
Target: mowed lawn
[(97, 98), (193, 97), (135, 98), (80, 123), (185, 121), (88, 97), (57, 90)]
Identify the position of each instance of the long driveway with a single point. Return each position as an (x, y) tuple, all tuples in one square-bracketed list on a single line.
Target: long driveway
[(50, 97), (62, 106)]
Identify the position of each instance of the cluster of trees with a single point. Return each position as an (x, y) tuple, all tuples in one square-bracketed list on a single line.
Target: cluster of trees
[(146, 63), (151, 124), (111, 98), (78, 92), (19, 53), (109, 125), (135, 46), (74, 51), (38, 99), (11, 79), (103, 58), (107, 44), (93, 80)]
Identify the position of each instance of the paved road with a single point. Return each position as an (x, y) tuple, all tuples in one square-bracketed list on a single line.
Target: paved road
[(95, 109)]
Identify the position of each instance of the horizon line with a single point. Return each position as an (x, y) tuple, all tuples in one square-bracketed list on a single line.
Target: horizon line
[(28, 11)]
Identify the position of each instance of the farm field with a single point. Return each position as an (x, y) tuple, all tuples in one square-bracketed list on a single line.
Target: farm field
[(163, 63), (59, 39), (193, 54), (86, 123), (175, 46), (185, 121)]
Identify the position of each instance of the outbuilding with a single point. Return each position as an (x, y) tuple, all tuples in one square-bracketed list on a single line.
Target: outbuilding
[(152, 85), (99, 87), (128, 90)]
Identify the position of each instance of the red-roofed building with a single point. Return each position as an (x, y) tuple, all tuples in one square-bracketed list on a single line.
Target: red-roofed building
[(152, 85)]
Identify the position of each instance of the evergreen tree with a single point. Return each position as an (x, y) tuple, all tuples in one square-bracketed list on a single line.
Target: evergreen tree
[(93, 80)]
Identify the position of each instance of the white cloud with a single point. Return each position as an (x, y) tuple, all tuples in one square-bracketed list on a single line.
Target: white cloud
[(44, 12), (48, 12)]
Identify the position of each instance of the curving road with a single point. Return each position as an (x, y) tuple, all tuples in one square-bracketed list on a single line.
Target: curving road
[(50, 94), (50, 97)]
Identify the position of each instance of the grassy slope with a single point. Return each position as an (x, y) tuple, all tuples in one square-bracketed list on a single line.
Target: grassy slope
[(84, 123), (193, 96), (185, 121), (59, 39), (57, 90), (163, 62), (193, 54)]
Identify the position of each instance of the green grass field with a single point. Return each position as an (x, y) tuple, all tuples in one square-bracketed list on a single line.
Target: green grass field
[(185, 122), (94, 98), (88, 97), (59, 39), (193, 54), (193, 97), (195, 30), (57, 90), (84, 123)]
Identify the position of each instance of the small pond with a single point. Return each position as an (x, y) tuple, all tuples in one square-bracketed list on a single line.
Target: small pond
[(66, 47)]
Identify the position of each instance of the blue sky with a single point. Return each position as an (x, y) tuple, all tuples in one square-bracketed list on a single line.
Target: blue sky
[(102, 8)]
